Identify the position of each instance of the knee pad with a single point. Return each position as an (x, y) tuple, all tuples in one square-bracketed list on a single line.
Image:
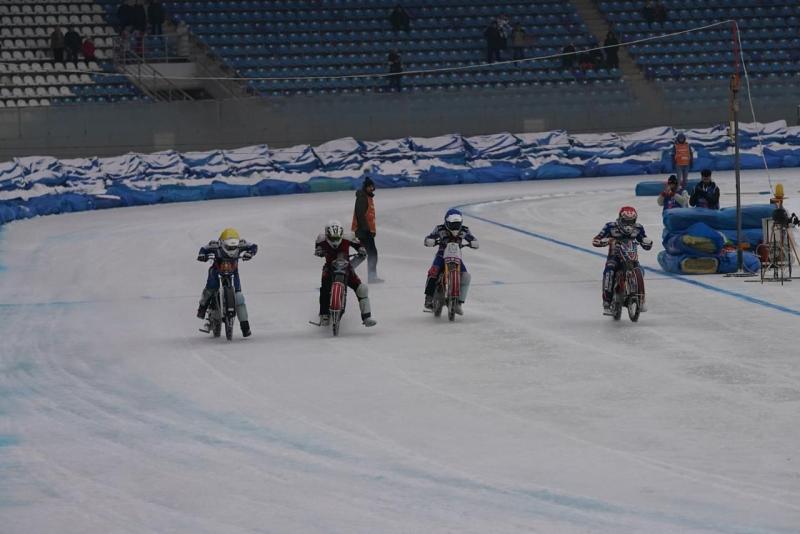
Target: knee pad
[(362, 291), (205, 297), (466, 278), (241, 309)]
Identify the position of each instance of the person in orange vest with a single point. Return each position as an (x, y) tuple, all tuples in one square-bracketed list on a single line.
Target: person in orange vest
[(682, 159), (364, 227)]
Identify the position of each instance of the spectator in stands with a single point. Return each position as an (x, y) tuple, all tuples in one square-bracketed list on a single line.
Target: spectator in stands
[(139, 17), (585, 60), (518, 41), (612, 54), (57, 45), (660, 12), (494, 41), (88, 49), (649, 12), (182, 46), (673, 196), (504, 24), (706, 193), (124, 16), (682, 159), (396, 68), (72, 45), (400, 19), (155, 15), (568, 60)]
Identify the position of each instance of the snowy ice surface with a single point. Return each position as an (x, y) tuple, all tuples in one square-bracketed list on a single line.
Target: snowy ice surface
[(531, 413)]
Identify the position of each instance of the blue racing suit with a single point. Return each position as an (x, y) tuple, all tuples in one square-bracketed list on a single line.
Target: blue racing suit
[(610, 232), (441, 236)]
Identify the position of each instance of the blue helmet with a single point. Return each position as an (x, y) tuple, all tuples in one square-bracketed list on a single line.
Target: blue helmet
[(453, 220)]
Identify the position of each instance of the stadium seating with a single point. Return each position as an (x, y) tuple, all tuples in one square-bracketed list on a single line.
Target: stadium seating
[(28, 74), (769, 35), (316, 40)]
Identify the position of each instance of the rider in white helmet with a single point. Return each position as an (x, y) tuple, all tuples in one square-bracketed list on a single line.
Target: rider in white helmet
[(331, 244)]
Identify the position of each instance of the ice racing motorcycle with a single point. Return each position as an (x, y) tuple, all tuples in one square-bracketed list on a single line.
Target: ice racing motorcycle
[(222, 306), (448, 284), (339, 271), (628, 280)]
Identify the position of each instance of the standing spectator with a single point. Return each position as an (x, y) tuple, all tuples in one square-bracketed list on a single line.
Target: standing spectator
[(568, 60), (365, 228), (518, 41), (682, 159), (139, 17), (396, 68), (494, 41), (88, 49), (182, 32), (649, 12), (706, 193), (57, 45), (400, 19), (660, 12), (612, 54), (504, 25), (124, 16), (673, 196), (72, 45), (155, 15)]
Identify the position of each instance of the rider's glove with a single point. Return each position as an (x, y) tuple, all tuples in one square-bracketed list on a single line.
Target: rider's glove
[(430, 242), (319, 252), (246, 256), (599, 242), (647, 243), (473, 244), (202, 257), (362, 252)]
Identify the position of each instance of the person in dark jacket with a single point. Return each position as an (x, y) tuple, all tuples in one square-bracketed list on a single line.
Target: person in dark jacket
[(612, 54), (139, 17), (706, 193), (124, 16), (396, 68), (155, 15), (400, 19), (72, 44), (57, 45), (364, 226), (495, 41)]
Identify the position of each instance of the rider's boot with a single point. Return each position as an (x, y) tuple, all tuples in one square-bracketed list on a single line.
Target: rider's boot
[(206, 327), (428, 302), (204, 300), (457, 308), (362, 292), (607, 308), (324, 320), (245, 328)]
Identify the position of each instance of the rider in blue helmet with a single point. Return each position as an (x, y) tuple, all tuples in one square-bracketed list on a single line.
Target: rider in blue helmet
[(451, 230)]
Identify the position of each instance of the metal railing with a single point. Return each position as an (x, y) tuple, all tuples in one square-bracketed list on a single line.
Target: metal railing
[(133, 55)]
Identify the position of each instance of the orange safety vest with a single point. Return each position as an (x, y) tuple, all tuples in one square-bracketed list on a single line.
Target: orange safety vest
[(370, 216), (683, 154)]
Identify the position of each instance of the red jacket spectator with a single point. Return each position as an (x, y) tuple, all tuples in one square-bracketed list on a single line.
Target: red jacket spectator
[(88, 50)]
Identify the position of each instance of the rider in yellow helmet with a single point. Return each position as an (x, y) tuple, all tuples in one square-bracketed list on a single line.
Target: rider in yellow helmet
[(226, 252)]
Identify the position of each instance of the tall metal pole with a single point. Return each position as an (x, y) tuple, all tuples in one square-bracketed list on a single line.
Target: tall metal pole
[(736, 167)]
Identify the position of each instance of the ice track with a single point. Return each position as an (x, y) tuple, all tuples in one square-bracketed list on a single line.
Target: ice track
[(532, 413)]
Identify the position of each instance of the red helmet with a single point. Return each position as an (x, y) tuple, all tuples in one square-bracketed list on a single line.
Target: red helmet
[(627, 216)]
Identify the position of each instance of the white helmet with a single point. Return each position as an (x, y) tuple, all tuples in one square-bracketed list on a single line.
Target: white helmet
[(334, 231)]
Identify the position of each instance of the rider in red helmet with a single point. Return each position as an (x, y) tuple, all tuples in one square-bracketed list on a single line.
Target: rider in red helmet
[(625, 227)]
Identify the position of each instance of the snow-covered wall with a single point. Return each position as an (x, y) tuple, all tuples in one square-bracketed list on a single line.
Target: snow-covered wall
[(33, 186)]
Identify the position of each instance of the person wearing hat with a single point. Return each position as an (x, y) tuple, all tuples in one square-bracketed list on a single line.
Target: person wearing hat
[(682, 159), (673, 196), (706, 193), (364, 227)]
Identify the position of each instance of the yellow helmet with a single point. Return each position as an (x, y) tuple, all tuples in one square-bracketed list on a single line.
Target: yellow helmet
[(229, 233), (229, 239)]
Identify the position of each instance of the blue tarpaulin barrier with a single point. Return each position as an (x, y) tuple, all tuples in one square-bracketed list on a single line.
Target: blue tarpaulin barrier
[(31, 186)]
